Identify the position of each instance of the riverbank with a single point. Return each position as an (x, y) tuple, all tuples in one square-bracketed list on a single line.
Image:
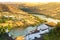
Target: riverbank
[(18, 32), (49, 21)]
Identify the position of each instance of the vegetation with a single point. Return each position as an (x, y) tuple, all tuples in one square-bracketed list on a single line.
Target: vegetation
[(5, 37), (12, 17), (58, 24), (4, 29), (3, 33), (53, 34), (15, 18), (52, 8)]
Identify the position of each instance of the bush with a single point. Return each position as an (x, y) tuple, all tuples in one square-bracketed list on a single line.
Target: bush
[(58, 24), (3, 29), (54, 34)]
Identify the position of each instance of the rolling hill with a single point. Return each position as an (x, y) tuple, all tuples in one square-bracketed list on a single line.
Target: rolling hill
[(51, 9), (14, 17)]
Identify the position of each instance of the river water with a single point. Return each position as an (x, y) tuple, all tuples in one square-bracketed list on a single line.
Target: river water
[(18, 32), (21, 32)]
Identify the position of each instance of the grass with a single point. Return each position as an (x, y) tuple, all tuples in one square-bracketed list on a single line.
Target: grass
[(54, 34)]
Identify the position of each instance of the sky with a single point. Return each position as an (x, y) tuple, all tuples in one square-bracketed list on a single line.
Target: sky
[(29, 0)]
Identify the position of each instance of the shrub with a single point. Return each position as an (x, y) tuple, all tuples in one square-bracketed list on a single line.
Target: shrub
[(54, 34)]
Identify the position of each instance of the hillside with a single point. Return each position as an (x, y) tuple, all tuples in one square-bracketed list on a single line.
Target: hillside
[(14, 17), (49, 9)]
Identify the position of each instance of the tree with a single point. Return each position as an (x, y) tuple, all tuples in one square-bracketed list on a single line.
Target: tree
[(58, 24)]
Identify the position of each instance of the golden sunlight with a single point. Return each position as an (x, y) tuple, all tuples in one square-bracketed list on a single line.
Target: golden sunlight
[(29, 0)]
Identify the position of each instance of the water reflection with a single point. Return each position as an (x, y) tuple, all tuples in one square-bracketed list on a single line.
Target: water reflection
[(20, 32), (24, 32)]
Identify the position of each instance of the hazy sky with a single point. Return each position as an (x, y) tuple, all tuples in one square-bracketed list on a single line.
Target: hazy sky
[(29, 0)]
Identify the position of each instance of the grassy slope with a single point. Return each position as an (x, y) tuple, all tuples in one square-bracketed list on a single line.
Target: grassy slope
[(20, 18), (48, 9)]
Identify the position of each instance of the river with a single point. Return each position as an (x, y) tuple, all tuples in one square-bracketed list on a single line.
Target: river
[(18, 32), (46, 18)]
